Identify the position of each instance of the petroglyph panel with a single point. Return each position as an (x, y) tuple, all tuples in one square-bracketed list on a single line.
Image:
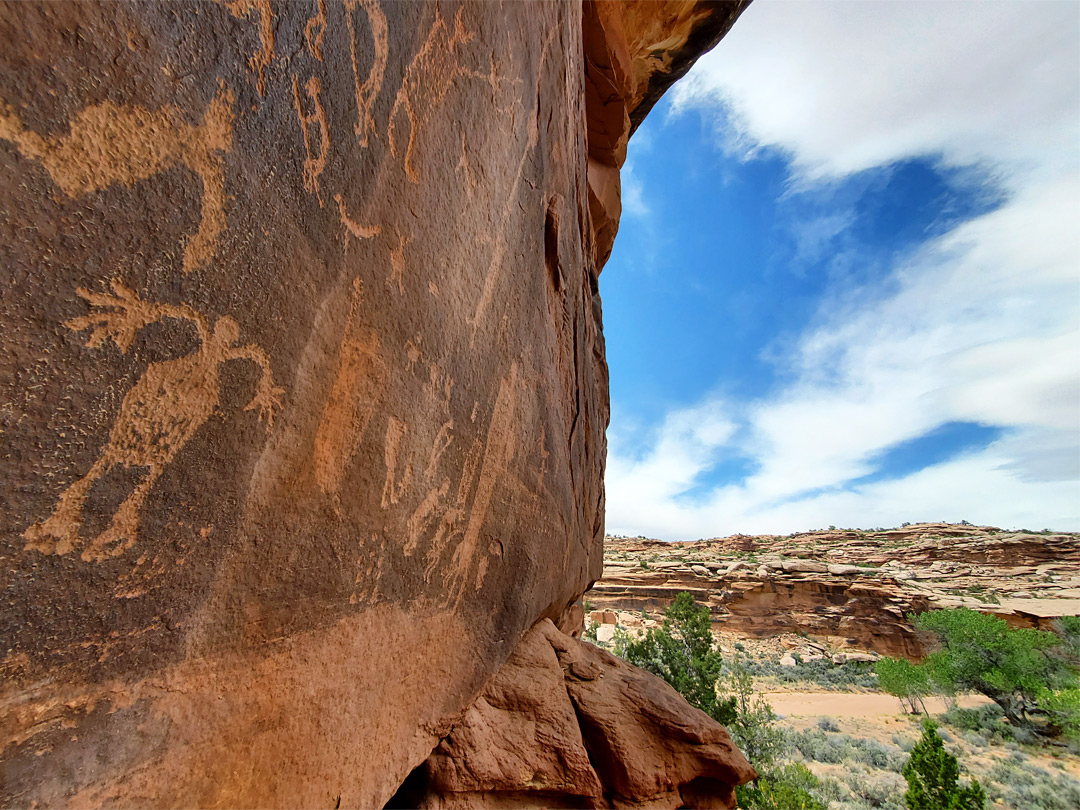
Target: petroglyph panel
[(242, 478)]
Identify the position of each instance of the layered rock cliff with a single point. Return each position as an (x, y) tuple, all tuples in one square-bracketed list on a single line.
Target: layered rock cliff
[(303, 382), (856, 588)]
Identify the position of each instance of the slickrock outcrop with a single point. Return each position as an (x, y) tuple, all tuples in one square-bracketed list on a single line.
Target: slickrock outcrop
[(855, 587), (564, 724), (303, 378)]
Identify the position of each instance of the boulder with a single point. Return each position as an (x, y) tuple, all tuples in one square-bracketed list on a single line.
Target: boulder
[(805, 567), (787, 660), (854, 658), (565, 724)]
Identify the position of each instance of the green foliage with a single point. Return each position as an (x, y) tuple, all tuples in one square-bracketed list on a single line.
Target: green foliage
[(1020, 669), (753, 726), (1062, 709), (986, 721), (790, 787), (932, 775), (901, 678), (682, 652)]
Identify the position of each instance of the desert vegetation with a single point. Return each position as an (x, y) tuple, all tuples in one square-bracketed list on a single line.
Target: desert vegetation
[(1013, 751)]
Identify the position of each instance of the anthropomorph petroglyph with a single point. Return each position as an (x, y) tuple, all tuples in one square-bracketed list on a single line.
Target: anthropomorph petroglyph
[(368, 90), (313, 164), (158, 416), (262, 58), (315, 30), (358, 386), (108, 143)]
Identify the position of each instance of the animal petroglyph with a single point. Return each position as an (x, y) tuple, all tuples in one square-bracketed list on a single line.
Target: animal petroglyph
[(108, 143), (393, 489), (158, 416), (262, 58), (368, 91), (358, 384), (315, 30), (354, 229), (428, 79), (313, 164)]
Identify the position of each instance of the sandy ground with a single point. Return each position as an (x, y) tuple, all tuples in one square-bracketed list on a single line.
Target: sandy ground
[(847, 704)]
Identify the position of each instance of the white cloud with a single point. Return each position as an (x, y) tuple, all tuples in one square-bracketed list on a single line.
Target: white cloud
[(845, 86), (981, 324), (633, 193)]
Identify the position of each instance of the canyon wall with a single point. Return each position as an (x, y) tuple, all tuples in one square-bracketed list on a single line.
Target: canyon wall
[(302, 387)]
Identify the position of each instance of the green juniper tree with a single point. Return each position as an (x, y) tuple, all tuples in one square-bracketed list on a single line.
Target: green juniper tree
[(682, 652), (932, 774)]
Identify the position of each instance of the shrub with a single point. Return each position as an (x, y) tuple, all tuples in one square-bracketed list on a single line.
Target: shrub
[(791, 787), (752, 728), (827, 724), (932, 773), (682, 652)]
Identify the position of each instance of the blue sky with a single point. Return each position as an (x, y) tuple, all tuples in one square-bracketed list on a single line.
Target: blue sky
[(846, 287)]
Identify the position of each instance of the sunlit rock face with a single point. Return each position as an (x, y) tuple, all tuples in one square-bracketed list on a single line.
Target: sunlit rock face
[(303, 377), (564, 724)]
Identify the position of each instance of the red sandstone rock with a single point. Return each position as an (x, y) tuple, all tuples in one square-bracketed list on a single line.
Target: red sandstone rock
[(567, 724), (303, 372)]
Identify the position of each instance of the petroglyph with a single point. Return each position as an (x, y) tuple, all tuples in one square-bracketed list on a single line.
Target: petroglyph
[(262, 58), (498, 451), (393, 489), (465, 168), (397, 263), (428, 79), (368, 91), (498, 251), (354, 229), (315, 30), (158, 416), (314, 165), (358, 384), (108, 143), (442, 441)]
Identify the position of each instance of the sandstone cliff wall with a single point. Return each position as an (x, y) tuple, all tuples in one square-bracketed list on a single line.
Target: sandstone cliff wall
[(302, 387)]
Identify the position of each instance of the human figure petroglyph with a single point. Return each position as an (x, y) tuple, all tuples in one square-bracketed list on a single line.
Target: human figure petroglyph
[(108, 143), (262, 58), (397, 264), (315, 29), (393, 488), (158, 416), (358, 384), (368, 91), (314, 165)]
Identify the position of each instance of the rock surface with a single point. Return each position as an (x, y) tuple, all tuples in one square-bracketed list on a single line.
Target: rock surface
[(565, 724), (851, 586), (303, 376)]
